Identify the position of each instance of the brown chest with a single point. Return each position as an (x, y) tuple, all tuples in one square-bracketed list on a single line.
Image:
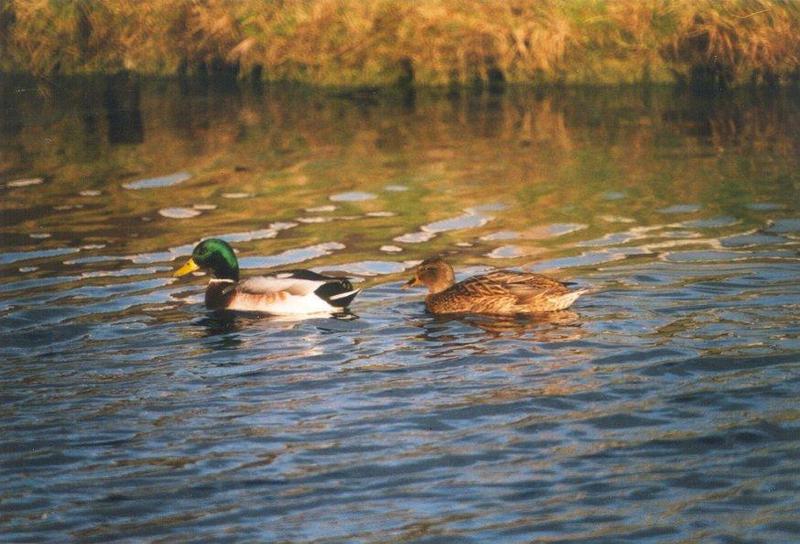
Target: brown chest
[(219, 295)]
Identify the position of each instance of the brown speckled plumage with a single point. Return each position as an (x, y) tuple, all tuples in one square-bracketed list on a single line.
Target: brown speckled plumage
[(503, 292)]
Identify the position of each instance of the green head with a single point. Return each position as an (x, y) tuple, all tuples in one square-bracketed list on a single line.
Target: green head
[(214, 255)]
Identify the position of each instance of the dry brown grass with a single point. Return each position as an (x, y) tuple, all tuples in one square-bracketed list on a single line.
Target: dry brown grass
[(352, 42)]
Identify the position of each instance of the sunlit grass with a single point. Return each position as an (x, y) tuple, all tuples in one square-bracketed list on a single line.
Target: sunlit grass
[(714, 43)]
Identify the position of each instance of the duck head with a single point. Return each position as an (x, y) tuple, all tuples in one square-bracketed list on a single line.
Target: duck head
[(214, 255), (433, 273)]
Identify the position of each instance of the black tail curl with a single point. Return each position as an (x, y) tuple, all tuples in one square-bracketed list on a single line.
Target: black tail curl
[(338, 292)]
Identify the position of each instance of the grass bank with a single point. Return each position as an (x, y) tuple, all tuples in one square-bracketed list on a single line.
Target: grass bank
[(708, 44)]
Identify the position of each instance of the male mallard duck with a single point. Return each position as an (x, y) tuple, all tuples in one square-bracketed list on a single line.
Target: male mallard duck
[(503, 292), (283, 293)]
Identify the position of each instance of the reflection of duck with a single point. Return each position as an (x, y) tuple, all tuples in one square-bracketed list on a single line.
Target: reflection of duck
[(537, 323), (503, 292), (478, 331), (284, 293)]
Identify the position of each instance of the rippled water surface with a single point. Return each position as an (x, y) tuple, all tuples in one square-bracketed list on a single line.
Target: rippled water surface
[(662, 408)]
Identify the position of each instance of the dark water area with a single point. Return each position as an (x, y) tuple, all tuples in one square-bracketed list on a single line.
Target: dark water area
[(661, 408)]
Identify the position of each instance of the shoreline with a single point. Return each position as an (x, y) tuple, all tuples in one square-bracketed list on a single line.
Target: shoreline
[(708, 46)]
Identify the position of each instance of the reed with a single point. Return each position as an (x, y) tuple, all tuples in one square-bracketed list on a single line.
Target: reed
[(709, 44)]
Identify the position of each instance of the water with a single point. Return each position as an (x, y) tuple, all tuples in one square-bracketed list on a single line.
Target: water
[(662, 408)]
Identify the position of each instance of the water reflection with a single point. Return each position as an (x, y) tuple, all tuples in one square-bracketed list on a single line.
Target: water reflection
[(534, 327), (226, 324), (12, 120), (123, 113), (124, 399), (224, 327)]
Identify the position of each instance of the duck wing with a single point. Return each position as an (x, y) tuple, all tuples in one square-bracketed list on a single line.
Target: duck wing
[(525, 285), (522, 285), (504, 290), (278, 283), (337, 292)]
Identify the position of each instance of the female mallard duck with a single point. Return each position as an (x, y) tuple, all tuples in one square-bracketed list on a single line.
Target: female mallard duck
[(284, 293), (503, 292)]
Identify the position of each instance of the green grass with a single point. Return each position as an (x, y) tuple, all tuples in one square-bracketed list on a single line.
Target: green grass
[(710, 44)]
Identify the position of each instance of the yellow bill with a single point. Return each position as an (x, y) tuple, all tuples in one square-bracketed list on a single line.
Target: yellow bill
[(189, 267)]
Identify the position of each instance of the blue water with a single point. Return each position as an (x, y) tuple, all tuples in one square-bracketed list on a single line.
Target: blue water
[(661, 408)]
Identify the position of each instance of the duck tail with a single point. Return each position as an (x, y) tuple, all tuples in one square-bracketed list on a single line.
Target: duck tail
[(564, 301), (342, 300), (339, 293)]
